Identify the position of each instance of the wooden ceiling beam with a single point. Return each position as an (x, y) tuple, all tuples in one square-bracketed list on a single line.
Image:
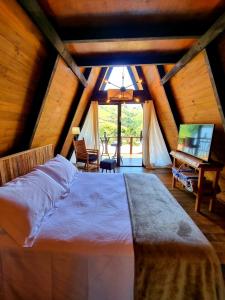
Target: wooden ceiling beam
[(128, 58), (132, 31), (38, 16), (217, 28)]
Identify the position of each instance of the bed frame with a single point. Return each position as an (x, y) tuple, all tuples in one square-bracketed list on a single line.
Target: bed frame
[(22, 163)]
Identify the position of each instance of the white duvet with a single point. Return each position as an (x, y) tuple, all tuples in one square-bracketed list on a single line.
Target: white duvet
[(83, 251)]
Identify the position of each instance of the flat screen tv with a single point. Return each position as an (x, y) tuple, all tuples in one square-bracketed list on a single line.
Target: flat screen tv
[(196, 139)]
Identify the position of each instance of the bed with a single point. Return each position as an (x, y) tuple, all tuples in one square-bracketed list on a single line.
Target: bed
[(103, 238)]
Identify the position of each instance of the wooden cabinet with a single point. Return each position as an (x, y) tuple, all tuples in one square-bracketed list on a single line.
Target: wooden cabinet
[(201, 167)]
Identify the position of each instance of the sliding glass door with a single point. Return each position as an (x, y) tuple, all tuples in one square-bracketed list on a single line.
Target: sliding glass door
[(120, 127)]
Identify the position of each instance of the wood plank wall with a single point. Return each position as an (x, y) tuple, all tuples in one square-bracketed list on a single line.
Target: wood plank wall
[(23, 54), (56, 106), (84, 100), (162, 106), (196, 101)]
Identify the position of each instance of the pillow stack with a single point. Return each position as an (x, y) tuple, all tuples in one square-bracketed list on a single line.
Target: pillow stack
[(26, 200)]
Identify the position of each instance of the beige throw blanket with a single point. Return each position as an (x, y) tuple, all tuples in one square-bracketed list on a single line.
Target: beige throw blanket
[(173, 260)]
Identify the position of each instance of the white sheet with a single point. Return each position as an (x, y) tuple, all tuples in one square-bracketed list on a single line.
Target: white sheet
[(83, 251)]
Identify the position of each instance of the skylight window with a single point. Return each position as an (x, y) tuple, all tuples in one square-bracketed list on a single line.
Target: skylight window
[(119, 77)]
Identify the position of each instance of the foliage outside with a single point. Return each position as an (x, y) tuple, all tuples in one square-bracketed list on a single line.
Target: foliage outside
[(132, 120)]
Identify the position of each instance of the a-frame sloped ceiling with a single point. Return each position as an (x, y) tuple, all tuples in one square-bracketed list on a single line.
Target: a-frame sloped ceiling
[(196, 100), (23, 58), (56, 106)]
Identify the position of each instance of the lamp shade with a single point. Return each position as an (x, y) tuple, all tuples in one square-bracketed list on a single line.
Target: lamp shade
[(75, 130)]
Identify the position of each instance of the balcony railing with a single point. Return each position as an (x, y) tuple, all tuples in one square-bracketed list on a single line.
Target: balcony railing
[(129, 145)]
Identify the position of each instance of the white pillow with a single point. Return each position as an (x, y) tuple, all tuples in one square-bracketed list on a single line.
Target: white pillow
[(24, 202), (61, 170)]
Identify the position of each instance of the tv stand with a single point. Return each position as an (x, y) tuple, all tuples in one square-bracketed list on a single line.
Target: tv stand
[(201, 167)]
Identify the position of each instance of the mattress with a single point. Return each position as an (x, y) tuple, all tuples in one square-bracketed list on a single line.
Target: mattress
[(83, 251)]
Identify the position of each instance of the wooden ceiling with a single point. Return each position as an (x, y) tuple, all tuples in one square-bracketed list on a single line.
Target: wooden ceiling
[(100, 53), (131, 18), (115, 32)]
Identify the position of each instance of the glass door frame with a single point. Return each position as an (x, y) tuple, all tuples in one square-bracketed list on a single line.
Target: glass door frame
[(119, 135)]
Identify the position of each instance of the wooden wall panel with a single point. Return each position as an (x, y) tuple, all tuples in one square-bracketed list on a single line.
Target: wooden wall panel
[(56, 106), (81, 108), (196, 100), (162, 106), (23, 54)]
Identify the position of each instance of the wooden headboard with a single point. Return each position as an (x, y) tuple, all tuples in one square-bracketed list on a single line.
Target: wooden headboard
[(22, 163)]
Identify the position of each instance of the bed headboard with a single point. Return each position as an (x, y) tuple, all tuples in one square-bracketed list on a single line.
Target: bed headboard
[(22, 163)]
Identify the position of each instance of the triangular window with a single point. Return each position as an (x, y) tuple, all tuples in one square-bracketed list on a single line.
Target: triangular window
[(117, 77)]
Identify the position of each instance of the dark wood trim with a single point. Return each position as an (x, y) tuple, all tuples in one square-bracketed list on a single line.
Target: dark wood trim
[(99, 84), (144, 84), (128, 58), (217, 76), (170, 97), (41, 108), (38, 16), (81, 124), (133, 29), (38, 100), (71, 114), (118, 134), (132, 77), (217, 28), (108, 71)]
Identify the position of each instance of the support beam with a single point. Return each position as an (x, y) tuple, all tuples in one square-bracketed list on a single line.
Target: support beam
[(132, 29), (38, 16), (170, 97), (43, 84), (71, 114), (217, 28), (128, 58), (41, 108), (83, 102)]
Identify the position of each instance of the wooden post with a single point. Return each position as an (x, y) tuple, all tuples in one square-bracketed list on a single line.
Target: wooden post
[(199, 192), (215, 182), (131, 144)]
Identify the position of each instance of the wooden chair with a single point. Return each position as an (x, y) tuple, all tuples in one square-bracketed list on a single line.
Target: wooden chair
[(84, 155)]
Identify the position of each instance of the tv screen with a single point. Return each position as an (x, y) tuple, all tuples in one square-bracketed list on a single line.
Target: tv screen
[(195, 139)]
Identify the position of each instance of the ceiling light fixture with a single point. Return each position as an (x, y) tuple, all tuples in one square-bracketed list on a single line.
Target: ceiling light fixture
[(122, 92)]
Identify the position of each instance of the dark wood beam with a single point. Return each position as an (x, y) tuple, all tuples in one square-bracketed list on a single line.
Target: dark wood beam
[(217, 75), (33, 117), (38, 16), (128, 58), (132, 30), (217, 28), (144, 82), (44, 99), (101, 77), (170, 97), (132, 77), (69, 155), (71, 114)]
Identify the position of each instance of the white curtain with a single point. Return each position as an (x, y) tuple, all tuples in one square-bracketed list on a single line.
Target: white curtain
[(155, 153), (90, 130)]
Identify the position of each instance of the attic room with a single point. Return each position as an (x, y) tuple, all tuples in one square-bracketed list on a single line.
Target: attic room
[(112, 153)]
